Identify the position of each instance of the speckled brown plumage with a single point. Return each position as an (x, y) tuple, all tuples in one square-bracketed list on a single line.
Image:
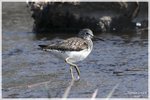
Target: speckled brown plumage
[(71, 44)]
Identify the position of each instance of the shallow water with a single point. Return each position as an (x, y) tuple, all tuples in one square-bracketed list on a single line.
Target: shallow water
[(27, 71)]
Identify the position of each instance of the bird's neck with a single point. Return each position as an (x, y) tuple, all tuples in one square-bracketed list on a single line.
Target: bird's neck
[(87, 38), (90, 43)]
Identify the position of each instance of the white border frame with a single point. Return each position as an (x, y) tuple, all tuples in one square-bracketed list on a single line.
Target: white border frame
[(76, 98)]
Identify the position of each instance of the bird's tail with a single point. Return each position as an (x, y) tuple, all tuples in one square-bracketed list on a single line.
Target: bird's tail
[(43, 46)]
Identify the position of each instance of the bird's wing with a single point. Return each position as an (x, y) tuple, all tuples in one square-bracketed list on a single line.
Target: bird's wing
[(71, 44)]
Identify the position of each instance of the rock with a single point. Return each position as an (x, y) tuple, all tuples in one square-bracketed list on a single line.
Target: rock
[(55, 16)]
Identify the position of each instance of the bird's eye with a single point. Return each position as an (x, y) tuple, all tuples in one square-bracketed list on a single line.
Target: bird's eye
[(86, 33)]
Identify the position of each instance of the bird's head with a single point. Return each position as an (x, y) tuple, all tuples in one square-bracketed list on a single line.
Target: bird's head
[(86, 33)]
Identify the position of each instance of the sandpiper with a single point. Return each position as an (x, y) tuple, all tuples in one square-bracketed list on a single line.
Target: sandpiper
[(73, 49)]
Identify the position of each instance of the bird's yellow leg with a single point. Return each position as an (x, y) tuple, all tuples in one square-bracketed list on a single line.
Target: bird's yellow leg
[(75, 66), (71, 71)]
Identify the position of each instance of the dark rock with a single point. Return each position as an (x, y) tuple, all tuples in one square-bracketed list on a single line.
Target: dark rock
[(55, 16)]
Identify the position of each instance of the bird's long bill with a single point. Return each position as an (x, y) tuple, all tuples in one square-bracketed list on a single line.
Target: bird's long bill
[(97, 38)]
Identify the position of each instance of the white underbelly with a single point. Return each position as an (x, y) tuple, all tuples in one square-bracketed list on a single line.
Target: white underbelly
[(74, 56)]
